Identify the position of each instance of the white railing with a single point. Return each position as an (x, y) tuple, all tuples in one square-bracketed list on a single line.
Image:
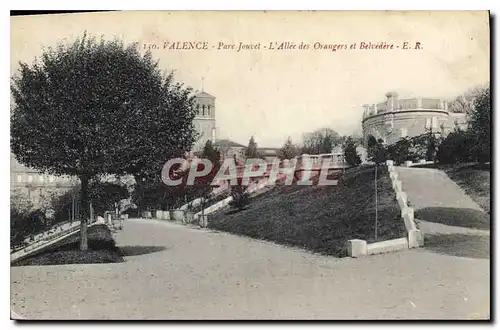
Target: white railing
[(46, 239)]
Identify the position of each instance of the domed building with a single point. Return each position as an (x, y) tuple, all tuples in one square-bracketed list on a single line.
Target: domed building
[(397, 118), (204, 121)]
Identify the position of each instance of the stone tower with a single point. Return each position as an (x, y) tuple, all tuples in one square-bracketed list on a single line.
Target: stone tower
[(204, 121)]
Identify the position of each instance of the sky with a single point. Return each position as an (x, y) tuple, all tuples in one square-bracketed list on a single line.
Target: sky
[(273, 94)]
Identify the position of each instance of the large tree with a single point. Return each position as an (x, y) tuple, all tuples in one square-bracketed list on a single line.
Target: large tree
[(97, 106), (464, 103)]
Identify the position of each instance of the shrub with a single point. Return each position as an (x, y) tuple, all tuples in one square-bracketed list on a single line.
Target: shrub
[(350, 154), (240, 197), (18, 227), (157, 195), (456, 147), (400, 151), (480, 126), (104, 195)]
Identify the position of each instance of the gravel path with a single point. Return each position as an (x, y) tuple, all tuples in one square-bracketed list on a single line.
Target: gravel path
[(175, 272), (428, 187), (441, 206)]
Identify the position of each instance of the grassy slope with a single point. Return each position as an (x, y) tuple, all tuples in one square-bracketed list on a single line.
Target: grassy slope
[(102, 249), (320, 218)]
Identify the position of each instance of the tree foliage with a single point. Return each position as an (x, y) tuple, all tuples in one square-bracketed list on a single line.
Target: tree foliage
[(104, 195), (204, 183), (252, 151), (473, 144), (464, 103), (480, 125), (321, 141), (240, 197), (211, 153), (377, 151), (350, 154), (456, 147), (97, 106), (289, 150)]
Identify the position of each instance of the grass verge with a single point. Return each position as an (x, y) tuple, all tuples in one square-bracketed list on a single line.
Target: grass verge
[(102, 249), (320, 218)]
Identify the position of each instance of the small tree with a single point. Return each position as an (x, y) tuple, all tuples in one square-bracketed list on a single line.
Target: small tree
[(204, 183), (252, 151), (289, 150), (350, 154), (379, 152), (371, 144)]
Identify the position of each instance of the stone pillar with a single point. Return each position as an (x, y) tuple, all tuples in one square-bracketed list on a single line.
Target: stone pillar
[(419, 103), (415, 238), (356, 248), (392, 101), (366, 111)]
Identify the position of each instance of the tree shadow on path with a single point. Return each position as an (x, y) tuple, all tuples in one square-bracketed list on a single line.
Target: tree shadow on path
[(136, 250), (451, 216), (459, 245)]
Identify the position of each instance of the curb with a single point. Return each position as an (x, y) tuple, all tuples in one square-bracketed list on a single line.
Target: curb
[(414, 237)]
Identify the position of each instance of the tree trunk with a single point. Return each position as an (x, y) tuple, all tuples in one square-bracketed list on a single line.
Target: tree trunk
[(84, 212)]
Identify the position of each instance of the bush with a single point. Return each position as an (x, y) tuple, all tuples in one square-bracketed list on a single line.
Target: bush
[(104, 195), (350, 154), (24, 225), (480, 126), (157, 195), (456, 147), (400, 151), (63, 204), (240, 198), (18, 227)]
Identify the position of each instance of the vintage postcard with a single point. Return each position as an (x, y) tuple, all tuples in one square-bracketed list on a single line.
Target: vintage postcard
[(250, 165)]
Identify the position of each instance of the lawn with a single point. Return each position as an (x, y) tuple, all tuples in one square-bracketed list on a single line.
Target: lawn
[(473, 178), (102, 249), (320, 218)]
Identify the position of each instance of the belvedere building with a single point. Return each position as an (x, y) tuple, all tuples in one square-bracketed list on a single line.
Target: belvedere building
[(397, 118)]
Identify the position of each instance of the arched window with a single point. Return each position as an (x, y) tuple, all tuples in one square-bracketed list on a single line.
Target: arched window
[(203, 109), (209, 111)]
